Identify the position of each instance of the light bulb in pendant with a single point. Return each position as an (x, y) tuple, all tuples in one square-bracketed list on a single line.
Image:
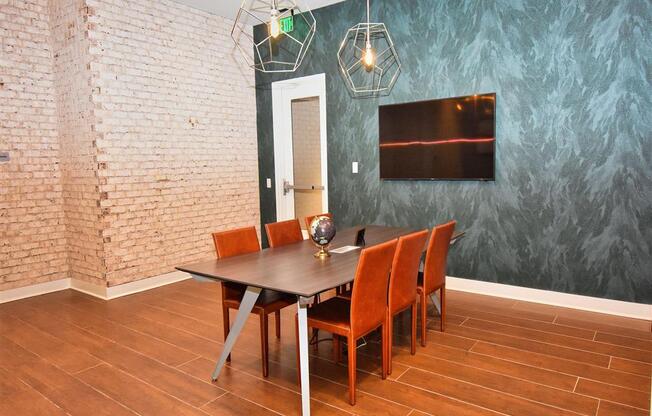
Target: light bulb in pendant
[(274, 25), (369, 57)]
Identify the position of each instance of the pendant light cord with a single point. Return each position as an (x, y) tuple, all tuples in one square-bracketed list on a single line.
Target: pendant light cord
[(368, 35)]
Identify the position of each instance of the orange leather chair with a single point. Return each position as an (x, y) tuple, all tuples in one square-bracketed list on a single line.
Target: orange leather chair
[(283, 232), (366, 311), (287, 232), (311, 217), (433, 277), (403, 286), (244, 241)]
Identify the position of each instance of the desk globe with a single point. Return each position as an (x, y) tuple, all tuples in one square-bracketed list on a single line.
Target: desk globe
[(322, 232)]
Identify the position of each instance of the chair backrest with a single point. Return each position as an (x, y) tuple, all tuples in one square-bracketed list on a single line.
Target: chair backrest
[(236, 242), (369, 296), (283, 232), (434, 271), (405, 270), (309, 218)]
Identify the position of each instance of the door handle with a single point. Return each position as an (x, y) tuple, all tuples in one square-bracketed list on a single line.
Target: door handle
[(287, 187)]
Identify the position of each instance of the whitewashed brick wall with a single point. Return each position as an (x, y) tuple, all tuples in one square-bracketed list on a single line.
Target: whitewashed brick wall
[(175, 113), (156, 131), (77, 138), (32, 232)]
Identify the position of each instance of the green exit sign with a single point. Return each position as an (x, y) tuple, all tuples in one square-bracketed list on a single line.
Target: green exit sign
[(287, 24)]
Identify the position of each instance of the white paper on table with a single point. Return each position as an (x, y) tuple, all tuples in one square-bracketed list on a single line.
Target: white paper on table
[(344, 249)]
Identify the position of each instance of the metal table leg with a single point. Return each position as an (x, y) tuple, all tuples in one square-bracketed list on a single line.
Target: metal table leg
[(246, 305), (302, 314)]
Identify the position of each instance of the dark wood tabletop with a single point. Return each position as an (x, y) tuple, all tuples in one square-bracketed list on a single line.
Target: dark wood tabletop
[(293, 269)]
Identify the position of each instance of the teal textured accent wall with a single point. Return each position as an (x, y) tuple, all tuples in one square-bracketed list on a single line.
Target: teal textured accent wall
[(571, 207)]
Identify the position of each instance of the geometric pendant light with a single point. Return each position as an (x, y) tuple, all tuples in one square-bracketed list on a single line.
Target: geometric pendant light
[(368, 60), (282, 32)]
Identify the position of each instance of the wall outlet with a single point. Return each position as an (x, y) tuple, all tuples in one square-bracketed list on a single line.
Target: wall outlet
[(354, 167), (268, 183), (4, 157)]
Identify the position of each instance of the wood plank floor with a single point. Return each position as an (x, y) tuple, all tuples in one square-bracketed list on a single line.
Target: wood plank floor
[(152, 354)]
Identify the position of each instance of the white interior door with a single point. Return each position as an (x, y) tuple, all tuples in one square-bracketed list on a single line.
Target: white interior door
[(300, 166)]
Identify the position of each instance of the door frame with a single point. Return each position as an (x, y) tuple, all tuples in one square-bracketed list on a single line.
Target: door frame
[(283, 92)]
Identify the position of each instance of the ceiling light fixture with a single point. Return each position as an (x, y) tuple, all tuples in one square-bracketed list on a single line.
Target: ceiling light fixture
[(368, 60), (282, 32)]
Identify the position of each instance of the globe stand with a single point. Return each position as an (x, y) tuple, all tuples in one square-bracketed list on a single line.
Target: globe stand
[(323, 252)]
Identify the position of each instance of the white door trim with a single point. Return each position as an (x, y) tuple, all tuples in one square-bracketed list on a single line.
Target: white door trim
[(283, 92)]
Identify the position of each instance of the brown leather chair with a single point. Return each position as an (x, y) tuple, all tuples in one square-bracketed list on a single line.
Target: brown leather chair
[(433, 277), (244, 241), (283, 232), (309, 218), (366, 311), (403, 286)]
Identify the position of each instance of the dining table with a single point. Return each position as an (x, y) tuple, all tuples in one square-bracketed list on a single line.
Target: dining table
[(294, 270)]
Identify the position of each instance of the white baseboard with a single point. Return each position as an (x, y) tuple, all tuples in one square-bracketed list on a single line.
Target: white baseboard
[(548, 297), (34, 290), (98, 291), (113, 292)]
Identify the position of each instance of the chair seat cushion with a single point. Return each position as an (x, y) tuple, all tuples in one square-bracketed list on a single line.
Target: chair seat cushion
[(333, 315)]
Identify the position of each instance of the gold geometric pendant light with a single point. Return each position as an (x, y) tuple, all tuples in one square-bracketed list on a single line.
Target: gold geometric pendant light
[(282, 32), (368, 60)]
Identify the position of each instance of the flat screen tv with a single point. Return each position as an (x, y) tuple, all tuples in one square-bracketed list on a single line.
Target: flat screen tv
[(446, 139)]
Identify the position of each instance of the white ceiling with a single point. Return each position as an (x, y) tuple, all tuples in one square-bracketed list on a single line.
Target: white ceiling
[(229, 8)]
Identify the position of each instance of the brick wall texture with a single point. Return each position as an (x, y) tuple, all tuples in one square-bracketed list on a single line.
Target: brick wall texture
[(32, 227), (131, 127), (77, 138)]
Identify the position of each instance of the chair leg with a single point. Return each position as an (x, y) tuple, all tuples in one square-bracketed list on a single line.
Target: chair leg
[(264, 343), (386, 346), (339, 349), (227, 326), (388, 341), (442, 298), (424, 310), (352, 368), (315, 331), (277, 321), (413, 340), (315, 337), (296, 328)]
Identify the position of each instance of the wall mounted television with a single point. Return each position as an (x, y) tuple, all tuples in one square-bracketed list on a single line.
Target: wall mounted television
[(444, 139)]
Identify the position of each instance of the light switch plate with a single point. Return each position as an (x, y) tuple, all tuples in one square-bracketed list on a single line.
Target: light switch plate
[(4, 156), (268, 183), (354, 167)]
